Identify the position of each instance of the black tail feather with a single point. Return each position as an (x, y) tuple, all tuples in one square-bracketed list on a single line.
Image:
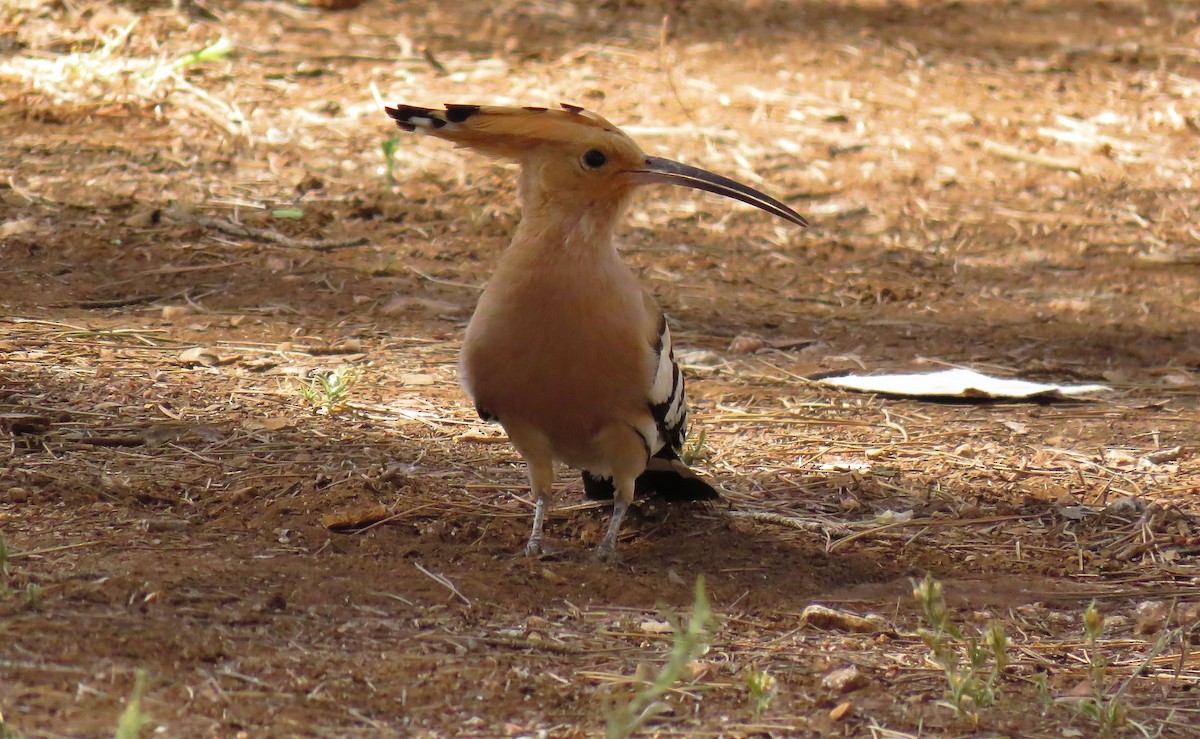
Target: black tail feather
[(666, 476)]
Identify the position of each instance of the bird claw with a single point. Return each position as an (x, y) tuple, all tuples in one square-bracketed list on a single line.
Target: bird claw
[(606, 555), (534, 548)]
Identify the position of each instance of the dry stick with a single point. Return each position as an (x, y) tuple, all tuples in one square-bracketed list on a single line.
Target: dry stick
[(1014, 154), (443, 581), (48, 550), (262, 234), (927, 522), (666, 58), (792, 521)]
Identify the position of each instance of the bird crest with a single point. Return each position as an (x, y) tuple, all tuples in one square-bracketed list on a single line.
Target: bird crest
[(511, 131)]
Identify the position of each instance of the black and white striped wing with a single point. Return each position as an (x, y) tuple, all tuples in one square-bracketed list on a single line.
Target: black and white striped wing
[(665, 475), (668, 400)]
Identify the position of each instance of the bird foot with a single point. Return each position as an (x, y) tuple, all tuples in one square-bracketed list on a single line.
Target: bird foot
[(606, 555), (540, 549)]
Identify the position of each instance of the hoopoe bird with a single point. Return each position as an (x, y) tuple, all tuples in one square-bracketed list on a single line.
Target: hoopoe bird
[(565, 350)]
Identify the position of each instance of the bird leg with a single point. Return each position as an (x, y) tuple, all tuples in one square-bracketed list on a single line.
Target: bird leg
[(607, 551), (534, 546), (541, 484), (624, 445)]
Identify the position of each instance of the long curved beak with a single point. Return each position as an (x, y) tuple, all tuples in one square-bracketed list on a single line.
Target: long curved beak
[(658, 170)]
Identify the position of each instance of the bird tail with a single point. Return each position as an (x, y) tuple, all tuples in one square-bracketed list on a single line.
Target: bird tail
[(666, 476)]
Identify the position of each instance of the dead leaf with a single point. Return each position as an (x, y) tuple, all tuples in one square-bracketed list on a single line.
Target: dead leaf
[(17, 227), (260, 364), (267, 424), (745, 344), (1161, 456), (355, 518), (1015, 426), (435, 307), (206, 357), (1079, 690), (416, 379)]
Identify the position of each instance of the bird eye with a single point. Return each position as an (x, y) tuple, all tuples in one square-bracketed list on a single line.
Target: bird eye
[(594, 159)]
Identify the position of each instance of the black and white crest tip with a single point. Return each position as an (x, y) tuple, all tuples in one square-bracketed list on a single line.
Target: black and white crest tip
[(414, 118)]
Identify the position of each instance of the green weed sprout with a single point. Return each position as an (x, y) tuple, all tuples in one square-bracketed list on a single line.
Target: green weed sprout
[(690, 642), (328, 391), (971, 683), (133, 720), (762, 687), (4, 589), (388, 146), (214, 52)]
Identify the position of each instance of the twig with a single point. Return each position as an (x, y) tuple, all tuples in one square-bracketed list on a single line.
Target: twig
[(667, 60), (113, 302), (48, 550), (1014, 154), (443, 581), (262, 234), (440, 281), (791, 521), (839, 543)]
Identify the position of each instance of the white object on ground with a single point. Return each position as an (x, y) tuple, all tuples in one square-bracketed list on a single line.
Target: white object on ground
[(959, 383)]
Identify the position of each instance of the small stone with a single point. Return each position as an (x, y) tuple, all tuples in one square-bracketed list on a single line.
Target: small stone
[(845, 680), (17, 495), (745, 344), (841, 710), (824, 617), (175, 312), (1151, 616), (656, 627), (199, 356), (701, 358)]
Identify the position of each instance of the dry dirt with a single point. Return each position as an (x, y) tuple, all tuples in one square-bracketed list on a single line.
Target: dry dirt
[(1008, 185)]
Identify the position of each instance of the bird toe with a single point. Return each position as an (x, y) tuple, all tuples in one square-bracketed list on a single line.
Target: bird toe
[(606, 555)]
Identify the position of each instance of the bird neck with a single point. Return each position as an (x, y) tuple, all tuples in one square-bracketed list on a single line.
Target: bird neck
[(570, 230), (575, 224)]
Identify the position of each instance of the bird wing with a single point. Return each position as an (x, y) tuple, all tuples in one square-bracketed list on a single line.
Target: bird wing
[(665, 473), (667, 398)]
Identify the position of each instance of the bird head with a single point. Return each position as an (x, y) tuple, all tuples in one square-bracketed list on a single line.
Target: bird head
[(570, 156)]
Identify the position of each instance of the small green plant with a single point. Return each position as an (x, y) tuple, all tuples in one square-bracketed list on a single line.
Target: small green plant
[(689, 643), (1105, 706), (328, 391), (1043, 691), (6, 730), (291, 214), (33, 595), (214, 52), (133, 719), (388, 146), (694, 451), (1109, 713), (762, 687), (971, 683), (4, 589)]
